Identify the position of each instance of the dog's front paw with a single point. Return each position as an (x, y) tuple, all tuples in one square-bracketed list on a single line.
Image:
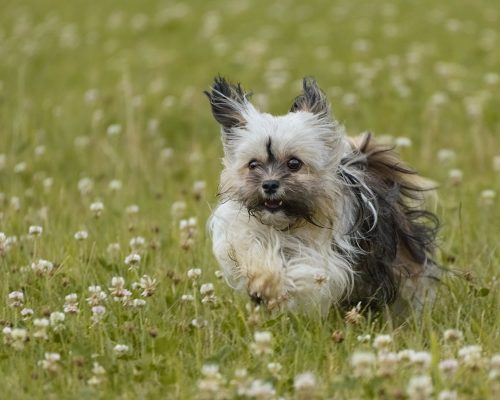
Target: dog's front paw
[(267, 288)]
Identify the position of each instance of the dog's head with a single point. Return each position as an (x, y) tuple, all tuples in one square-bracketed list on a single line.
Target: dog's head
[(280, 168)]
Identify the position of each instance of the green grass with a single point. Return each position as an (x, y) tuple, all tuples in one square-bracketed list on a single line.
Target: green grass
[(149, 62)]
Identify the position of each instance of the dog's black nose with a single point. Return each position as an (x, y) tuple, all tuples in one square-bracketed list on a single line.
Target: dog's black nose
[(270, 186)]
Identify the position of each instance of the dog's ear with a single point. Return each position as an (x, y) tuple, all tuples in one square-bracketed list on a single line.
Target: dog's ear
[(228, 102), (312, 99)]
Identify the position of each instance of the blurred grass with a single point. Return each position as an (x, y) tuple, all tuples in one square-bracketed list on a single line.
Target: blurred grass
[(69, 70)]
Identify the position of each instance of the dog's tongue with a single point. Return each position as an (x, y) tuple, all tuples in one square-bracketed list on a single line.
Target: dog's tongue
[(273, 203)]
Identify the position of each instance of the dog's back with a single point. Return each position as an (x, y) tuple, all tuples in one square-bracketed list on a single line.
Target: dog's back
[(395, 265)]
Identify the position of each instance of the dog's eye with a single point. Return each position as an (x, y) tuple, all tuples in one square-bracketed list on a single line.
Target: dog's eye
[(294, 164), (253, 164)]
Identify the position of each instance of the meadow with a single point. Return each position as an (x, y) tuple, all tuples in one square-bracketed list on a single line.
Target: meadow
[(109, 166)]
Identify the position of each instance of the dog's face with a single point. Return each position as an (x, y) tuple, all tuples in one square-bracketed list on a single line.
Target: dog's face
[(278, 167)]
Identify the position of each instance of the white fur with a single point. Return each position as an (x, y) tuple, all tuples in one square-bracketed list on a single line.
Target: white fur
[(292, 264)]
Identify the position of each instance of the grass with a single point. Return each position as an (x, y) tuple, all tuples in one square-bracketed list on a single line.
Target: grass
[(70, 70)]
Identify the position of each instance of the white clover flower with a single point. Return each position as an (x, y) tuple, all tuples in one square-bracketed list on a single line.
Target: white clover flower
[(16, 299), (98, 375), (218, 274), (362, 364), (71, 304), (57, 321), (118, 291), (42, 267), (406, 355), (85, 186), (81, 235), (382, 342), (364, 338), (97, 296), (456, 176), (97, 369), (421, 360), (488, 197), (17, 337), (178, 209), (212, 379), (97, 208), (50, 362), (98, 313), (448, 367), (207, 289), (491, 78), (496, 163), (27, 313), (402, 142), (132, 209), (148, 285), (133, 259), (199, 188), (354, 316), (210, 300), (188, 232), (187, 298), (166, 154), (495, 361), (260, 390), (262, 343), (81, 142), (387, 363), (91, 95), (3, 239), (420, 387), (114, 129), (113, 249), (35, 230), (274, 368), (137, 242), (137, 303), (210, 371), (199, 323), (446, 156), (305, 382), (20, 167), (15, 203), (453, 335), (194, 273), (439, 99), (120, 350), (115, 185), (41, 324), (471, 356), (447, 395), (349, 99), (47, 184)]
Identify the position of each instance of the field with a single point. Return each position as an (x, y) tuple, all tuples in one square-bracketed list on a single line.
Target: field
[(109, 165)]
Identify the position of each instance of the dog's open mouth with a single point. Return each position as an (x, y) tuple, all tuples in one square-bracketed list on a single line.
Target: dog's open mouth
[(273, 205)]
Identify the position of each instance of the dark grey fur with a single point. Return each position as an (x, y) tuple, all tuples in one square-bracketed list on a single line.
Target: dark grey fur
[(402, 241), (226, 100), (312, 99)]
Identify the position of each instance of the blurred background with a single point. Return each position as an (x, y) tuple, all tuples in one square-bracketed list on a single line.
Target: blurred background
[(108, 146)]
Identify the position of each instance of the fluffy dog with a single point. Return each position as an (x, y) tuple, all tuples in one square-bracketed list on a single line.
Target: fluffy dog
[(309, 218)]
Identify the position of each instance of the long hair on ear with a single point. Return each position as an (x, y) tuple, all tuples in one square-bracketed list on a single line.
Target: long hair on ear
[(228, 102), (312, 99)]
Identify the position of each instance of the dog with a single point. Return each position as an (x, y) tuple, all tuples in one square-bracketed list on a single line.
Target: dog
[(309, 218)]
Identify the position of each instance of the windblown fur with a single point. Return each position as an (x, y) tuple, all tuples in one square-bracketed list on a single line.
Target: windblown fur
[(309, 218)]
